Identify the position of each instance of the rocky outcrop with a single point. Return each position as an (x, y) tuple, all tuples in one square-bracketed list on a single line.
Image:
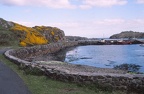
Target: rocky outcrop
[(7, 37), (28, 36), (128, 34), (5, 24), (52, 34)]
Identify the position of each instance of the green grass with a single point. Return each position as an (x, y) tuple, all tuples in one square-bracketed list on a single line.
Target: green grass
[(44, 85)]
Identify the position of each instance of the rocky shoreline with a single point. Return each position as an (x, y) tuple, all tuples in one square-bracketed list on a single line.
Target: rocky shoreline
[(109, 42)]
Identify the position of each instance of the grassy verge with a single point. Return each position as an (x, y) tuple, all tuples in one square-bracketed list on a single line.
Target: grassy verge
[(44, 85)]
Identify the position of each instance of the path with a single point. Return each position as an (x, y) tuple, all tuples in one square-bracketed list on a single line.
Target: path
[(10, 82)]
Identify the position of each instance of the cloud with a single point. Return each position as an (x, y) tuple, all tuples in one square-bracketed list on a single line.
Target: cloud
[(26, 23), (100, 28), (66, 24), (140, 1), (83, 4), (109, 21), (101, 3), (95, 28), (46, 3)]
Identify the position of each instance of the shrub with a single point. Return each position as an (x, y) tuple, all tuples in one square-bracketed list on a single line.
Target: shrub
[(28, 36)]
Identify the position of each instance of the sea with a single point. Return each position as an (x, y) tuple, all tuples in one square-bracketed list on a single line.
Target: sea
[(105, 56), (102, 56)]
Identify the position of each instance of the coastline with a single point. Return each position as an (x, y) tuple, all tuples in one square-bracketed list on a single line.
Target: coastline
[(75, 73)]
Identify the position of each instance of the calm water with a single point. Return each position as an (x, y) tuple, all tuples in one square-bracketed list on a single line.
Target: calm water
[(106, 56)]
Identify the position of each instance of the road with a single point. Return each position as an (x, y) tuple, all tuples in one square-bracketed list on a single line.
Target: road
[(10, 82)]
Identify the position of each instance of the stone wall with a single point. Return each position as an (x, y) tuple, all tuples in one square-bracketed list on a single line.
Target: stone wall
[(70, 73), (90, 42), (127, 82), (23, 53)]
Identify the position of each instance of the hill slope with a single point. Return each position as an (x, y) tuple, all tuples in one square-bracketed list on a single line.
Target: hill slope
[(13, 33), (128, 34)]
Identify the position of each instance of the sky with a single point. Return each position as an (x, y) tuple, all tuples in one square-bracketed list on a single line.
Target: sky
[(86, 18)]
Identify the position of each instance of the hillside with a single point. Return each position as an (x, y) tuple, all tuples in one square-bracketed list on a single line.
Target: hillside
[(128, 34), (75, 38), (13, 34)]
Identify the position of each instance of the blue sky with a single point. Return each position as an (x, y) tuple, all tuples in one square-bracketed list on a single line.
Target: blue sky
[(88, 18)]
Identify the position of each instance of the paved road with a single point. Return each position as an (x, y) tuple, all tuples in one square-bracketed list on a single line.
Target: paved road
[(10, 82)]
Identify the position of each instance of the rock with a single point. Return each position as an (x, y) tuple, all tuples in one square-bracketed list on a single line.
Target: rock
[(52, 34), (128, 34), (5, 24), (29, 36), (7, 37)]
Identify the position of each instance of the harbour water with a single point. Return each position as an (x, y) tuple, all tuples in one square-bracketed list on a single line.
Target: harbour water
[(106, 56), (103, 56)]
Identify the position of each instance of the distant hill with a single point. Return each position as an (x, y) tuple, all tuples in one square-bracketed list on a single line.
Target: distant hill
[(13, 34), (128, 34), (75, 38)]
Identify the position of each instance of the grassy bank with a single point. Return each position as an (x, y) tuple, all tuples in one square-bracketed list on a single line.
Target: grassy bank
[(44, 85)]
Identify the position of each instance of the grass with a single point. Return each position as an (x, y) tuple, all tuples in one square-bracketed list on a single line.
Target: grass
[(44, 85)]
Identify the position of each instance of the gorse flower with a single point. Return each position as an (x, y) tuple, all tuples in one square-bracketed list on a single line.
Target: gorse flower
[(29, 36)]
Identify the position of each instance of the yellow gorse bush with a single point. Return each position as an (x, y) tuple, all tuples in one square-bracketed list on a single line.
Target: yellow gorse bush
[(57, 38), (53, 33), (41, 28), (51, 30), (30, 36)]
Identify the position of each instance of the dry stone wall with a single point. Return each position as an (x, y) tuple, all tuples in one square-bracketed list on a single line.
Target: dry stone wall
[(127, 82), (73, 73)]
